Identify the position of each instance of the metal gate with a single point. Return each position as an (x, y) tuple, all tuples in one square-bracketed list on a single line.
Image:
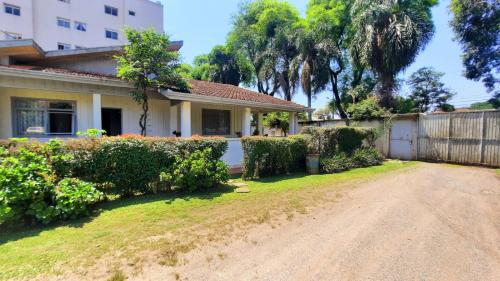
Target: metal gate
[(465, 137), (401, 142)]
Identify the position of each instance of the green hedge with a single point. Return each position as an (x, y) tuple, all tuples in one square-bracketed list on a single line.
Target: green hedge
[(361, 157), (267, 156), (44, 182), (330, 141)]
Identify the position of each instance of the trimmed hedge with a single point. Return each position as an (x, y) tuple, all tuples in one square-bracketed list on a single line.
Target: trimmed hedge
[(361, 157), (267, 156), (330, 141)]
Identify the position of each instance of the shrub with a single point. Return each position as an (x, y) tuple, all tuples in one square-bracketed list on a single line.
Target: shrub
[(330, 141), (73, 198), (26, 184), (366, 157), (335, 164), (266, 156), (199, 170)]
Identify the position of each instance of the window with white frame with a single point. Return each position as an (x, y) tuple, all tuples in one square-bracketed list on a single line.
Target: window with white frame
[(131, 13), (110, 10), (111, 34), (39, 117), (216, 122), (63, 46), (80, 26), (12, 36), (11, 9), (62, 22)]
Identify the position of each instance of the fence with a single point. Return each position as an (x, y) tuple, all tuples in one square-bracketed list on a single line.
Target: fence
[(466, 137)]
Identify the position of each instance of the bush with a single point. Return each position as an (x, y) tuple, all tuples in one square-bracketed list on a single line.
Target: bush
[(266, 156), (366, 157), (330, 141), (73, 198), (28, 192), (361, 157), (198, 170)]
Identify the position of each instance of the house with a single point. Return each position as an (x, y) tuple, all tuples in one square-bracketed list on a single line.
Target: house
[(57, 93), (76, 24)]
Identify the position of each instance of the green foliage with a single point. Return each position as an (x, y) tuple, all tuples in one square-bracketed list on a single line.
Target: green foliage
[(199, 170), (148, 64), (427, 90), (365, 110), (330, 141), (277, 120), (73, 198), (476, 24), (361, 157), (484, 105), (264, 32), (91, 133), (387, 36), (223, 65), (28, 190), (266, 156)]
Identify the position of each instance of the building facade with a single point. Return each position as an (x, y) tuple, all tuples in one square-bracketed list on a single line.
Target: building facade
[(77, 24)]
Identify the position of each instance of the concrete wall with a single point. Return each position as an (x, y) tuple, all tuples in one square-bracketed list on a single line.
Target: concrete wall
[(38, 21)]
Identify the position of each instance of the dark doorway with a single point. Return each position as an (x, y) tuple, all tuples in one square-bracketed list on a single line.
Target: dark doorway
[(112, 121)]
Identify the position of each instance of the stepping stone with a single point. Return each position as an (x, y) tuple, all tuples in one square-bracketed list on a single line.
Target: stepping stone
[(242, 190), (239, 184)]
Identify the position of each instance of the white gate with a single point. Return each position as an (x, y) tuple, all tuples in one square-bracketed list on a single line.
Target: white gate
[(401, 142)]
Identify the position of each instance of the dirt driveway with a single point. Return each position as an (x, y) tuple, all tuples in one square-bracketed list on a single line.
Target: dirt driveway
[(433, 222)]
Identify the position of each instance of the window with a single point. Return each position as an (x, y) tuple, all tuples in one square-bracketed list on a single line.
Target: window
[(80, 26), (110, 10), (34, 117), (216, 122), (111, 121), (13, 10), (132, 13), (12, 36), (111, 34), (63, 46), (63, 22)]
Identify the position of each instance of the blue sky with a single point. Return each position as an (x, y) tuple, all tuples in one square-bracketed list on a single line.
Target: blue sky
[(203, 24)]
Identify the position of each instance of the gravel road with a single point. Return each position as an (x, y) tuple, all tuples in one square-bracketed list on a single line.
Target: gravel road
[(432, 222)]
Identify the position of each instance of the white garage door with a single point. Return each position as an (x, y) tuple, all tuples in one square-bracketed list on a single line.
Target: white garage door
[(401, 140)]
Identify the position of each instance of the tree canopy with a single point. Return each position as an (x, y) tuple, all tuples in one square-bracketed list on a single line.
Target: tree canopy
[(427, 91), (147, 64), (387, 36), (477, 27)]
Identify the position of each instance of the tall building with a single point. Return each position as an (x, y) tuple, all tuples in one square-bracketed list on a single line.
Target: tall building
[(76, 24)]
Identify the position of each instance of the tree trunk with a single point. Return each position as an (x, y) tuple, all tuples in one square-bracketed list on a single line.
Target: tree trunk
[(143, 121), (336, 95), (386, 91)]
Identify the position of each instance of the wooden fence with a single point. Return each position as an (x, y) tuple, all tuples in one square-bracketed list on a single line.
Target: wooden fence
[(468, 137)]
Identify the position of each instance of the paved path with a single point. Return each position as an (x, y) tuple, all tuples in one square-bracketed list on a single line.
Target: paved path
[(433, 222)]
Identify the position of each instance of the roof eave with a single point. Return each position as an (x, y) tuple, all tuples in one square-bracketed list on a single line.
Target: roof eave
[(218, 100)]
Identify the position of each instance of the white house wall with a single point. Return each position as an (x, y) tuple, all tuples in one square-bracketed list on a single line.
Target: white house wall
[(196, 109)]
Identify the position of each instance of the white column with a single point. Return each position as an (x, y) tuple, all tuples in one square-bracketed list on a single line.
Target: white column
[(185, 107), (173, 119), (246, 122), (260, 123), (292, 123), (96, 111)]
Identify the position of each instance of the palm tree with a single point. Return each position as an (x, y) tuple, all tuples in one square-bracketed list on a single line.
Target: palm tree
[(307, 60), (388, 35)]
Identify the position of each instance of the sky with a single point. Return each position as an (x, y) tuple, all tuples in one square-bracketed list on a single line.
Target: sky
[(202, 24)]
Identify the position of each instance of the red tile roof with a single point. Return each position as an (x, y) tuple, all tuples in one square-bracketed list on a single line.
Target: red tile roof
[(212, 89), (204, 88)]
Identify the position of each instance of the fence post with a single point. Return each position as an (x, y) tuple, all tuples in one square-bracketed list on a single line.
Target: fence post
[(450, 124), (483, 135)]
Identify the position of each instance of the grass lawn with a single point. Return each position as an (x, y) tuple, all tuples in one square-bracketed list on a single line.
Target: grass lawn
[(158, 228)]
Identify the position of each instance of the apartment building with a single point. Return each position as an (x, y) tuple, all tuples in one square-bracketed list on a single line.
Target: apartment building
[(76, 24)]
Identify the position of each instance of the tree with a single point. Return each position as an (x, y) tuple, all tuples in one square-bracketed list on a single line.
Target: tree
[(265, 32), (222, 65), (427, 90), (477, 27), (277, 120), (387, 36), (324, 113), (365, 110), (148, 65)]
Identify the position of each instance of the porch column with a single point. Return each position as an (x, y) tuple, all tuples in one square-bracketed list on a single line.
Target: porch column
[(292, 123), (260, 125), (173, 119), (96, 111), (185, 108), (246, 122)]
